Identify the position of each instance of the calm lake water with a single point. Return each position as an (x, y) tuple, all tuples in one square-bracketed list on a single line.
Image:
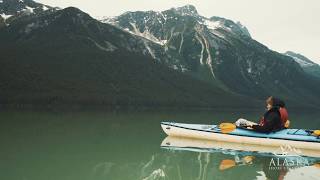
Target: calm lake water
[(126, 145)]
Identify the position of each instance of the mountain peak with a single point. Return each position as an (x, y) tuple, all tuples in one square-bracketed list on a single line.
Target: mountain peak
[(10, 8), (187, 10), (72, 9), (73, 15), (302, 60), (235, 27)]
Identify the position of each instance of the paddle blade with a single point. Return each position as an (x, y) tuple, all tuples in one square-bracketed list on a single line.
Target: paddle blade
[(226, 164), (248, 159), (287, 124), (317, 165), (316, 133), (227, 127)]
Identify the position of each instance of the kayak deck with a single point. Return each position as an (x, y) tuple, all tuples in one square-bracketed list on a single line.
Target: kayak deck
[(285, 134)]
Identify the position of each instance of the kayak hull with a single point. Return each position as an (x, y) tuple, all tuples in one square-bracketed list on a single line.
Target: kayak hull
[(204, 145), (211, 132)]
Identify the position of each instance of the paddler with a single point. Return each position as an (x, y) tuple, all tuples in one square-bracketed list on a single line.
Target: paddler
[(274, 119)]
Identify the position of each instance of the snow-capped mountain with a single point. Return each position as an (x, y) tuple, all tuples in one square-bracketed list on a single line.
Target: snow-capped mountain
[(302, 60), (14, 8), (177, 54), (308, 65), (67, 57), (216, 50), (178, 29)]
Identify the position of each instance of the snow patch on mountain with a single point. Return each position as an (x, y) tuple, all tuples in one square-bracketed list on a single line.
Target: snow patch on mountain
[(44, 8), (249, 69), (300, 59), (5, 16), (212, 25), (22, 8), (209, 59), (163, 16), (206, 46), (302, 62), (182, 38), (30, 9), (105, 19), (202, 48), (146, 34), (108, 48)]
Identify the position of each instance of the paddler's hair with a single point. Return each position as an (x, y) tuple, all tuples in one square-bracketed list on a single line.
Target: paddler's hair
[(275, 101), (270, 100)]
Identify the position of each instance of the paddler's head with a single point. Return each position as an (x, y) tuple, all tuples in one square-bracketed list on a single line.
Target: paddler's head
[(274, 102), (269, 103)]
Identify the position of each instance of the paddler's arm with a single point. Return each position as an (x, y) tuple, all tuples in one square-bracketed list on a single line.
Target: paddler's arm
[(269, 124)]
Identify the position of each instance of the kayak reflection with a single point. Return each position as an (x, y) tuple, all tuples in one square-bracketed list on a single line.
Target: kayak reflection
[(230, 160), (210, 145)]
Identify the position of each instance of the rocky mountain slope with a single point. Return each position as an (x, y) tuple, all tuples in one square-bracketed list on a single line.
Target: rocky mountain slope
[(220, 52), (171, 58), (66, 57), (11, 9), (306, 64)]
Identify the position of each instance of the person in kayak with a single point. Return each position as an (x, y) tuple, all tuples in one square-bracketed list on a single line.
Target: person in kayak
[(275, 119)]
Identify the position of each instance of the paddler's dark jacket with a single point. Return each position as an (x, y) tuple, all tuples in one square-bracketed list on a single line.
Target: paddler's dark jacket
[(272, 119)]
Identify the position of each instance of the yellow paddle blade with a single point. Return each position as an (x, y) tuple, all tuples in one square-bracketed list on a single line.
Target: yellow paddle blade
[(227, 127), (226, 164), (316, 132), (317, 165), (248, 159), (287, 124)]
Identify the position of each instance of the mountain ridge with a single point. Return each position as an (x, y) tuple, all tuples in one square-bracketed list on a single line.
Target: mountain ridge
[(204, 46), (308, 65), (86, 62), (67, 57)]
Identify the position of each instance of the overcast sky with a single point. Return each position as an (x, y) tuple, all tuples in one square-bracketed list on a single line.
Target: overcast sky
[(280, 24)]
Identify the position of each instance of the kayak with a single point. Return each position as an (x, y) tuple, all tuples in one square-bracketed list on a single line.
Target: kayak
[(204, 145), (297, 138)]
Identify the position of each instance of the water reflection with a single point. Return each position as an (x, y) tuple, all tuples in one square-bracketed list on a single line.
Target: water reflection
[(125, 146), (220, 163)]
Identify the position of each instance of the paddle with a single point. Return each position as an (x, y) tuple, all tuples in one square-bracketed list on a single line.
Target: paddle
[(227, 127), (317, 165), (316, 133), (229, 163), (226, 164), (313, 132), (248, 159)]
